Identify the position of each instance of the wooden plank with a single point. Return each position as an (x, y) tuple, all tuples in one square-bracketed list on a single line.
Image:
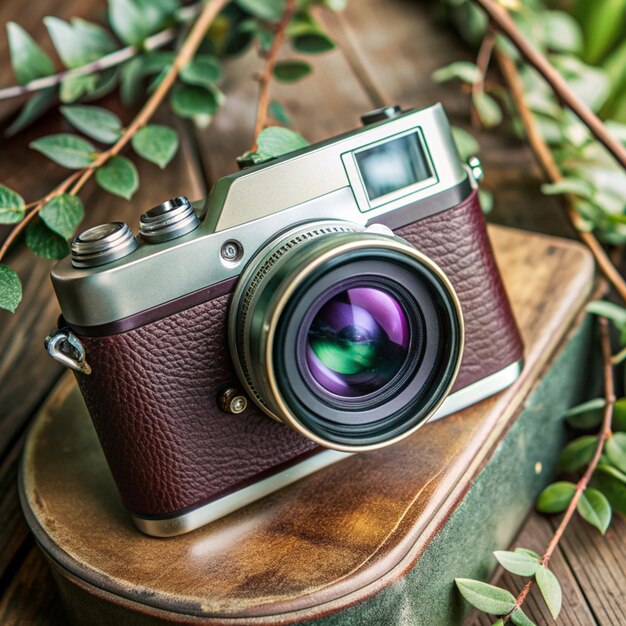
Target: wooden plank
[(32, 597), (535, 535), (599, 565)]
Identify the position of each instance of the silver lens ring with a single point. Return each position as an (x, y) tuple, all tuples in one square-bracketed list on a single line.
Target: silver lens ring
[(102, 244), (168, 220)]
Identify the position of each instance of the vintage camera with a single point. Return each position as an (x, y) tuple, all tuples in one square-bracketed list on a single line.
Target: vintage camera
[(327, 302)]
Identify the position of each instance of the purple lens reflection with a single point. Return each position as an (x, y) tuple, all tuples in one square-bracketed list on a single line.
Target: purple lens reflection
[(358, 342)]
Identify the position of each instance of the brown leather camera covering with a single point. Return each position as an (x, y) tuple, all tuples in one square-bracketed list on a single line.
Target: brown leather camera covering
[(152, 393)]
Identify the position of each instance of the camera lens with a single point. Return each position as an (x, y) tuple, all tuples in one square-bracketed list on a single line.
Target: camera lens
[(350, 337), (357, 342)]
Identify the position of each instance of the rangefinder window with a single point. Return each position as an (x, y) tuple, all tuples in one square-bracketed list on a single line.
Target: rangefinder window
[(393, 165)]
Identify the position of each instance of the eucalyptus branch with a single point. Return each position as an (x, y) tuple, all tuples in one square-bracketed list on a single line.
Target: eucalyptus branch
[(505, 23), (154, 42), (548, 164), (266, 77), (77, 180), (482, 62), (605, 433)]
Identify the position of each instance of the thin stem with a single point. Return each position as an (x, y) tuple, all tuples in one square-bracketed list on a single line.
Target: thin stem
[(266, 77), (581, 485), (503, 20), (154, 42), (78, 179), (548, 164), (482, 62)]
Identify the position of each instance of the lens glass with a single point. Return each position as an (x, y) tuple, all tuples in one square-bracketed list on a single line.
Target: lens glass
[(358, 342)]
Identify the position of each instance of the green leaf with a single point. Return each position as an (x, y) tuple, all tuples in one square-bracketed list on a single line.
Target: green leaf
[(619, 416), (29, 61), (131, 74), (291, 71), (134, 20), (45, 243), (268, 10), (34, 108), (275, 141), (484, 597), (118, 176), (562, 32), (485, 199), (519, 618), (68, 150), (487, 108), (11, 206), (463, 70), (578, 453), (157, 144), (63, 214), (612, 483), (556, 497), (586, 415), (517, 563), (550, 590), (595, 508), (528, 552), (95, 122), (603, 26), (465, 143), (10, 289), (204, 71), (615, 449), (191, 101), (80, 42), (312, 43), (576, 186), (74, 87), (277, 112), (613, 312)]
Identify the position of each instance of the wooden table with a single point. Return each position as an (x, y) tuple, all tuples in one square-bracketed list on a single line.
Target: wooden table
[(393, 45)]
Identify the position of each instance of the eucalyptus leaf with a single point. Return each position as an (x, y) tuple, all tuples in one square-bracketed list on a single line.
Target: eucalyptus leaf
[(465, 143), (10, 289), (74, 87), (619, 416), (556, 497), (28, 60), (277, 112), (595, 509), (96, 122), (157, 144), (550, 590), (68, 150), (613, 312), (44, 242), (118, 176), (134, 20), (528, 552), (312, 43), (487, 108), (79, 42), (562, 32), (576, 186), (130, 81), (34, 108), (11, 206), (190, 101), (517, 563), (615, 449), (519, 618), (463, 70), (612, 483), (586, 415), (63, 214), (204, 71), (578, 453), (269, 10), (485, 597), (291, 71), (275, 141)]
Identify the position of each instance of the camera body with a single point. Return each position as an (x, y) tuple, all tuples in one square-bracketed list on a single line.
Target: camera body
[(326, 302)]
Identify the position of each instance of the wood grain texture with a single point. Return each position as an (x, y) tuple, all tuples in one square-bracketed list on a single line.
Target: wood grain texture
[(362, 537)]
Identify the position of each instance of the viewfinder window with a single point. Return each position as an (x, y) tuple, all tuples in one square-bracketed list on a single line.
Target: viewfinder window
[(393, 165)]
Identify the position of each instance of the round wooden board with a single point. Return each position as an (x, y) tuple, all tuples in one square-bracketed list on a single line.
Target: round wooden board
[(323, 544)]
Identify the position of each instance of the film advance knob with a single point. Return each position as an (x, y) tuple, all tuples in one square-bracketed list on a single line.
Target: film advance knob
[(170, 219), (378, 115)]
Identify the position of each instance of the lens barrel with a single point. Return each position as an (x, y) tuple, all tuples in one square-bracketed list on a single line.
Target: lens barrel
[(352, 338)]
